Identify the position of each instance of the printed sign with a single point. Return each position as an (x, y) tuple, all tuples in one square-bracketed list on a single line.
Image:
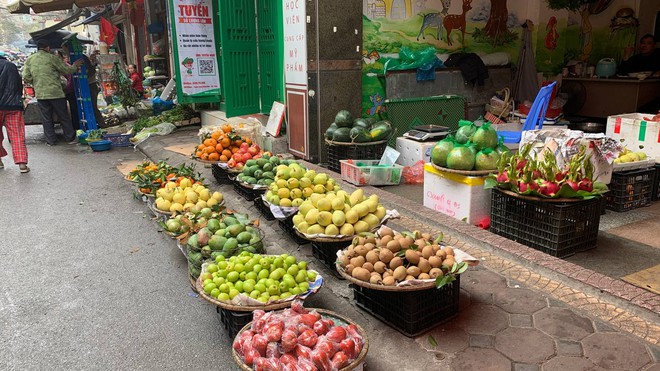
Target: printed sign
[(295, 42), (194, 52)]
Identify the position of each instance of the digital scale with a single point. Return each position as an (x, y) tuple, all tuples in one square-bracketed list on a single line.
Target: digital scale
[(425, 133)]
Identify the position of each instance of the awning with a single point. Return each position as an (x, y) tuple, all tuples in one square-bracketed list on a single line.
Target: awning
[(55, 39), (94, 17), (61, 24), (42, 6)]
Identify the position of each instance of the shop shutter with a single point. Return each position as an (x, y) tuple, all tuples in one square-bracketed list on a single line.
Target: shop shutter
[(239, 57), (269, 20)]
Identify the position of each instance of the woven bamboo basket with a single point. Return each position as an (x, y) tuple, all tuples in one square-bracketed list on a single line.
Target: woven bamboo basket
[(464, 172), (420, 287), (325, 314)]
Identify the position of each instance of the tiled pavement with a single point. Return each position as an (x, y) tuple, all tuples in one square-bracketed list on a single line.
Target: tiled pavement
[(520, 309)]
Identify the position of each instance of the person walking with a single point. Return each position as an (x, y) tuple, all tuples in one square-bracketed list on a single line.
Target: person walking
[(11, 114), (43, 70)]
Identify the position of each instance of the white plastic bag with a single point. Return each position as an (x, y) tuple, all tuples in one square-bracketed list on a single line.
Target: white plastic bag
[(160, 129)]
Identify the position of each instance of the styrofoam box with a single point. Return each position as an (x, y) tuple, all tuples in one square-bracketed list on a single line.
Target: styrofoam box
[(411, 151), (459, 196), (636, 131)]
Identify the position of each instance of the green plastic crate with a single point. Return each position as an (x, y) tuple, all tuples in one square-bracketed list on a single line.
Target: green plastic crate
[(442, 110)]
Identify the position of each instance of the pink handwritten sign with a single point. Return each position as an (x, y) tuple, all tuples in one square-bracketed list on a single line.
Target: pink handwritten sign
[(444, 204)]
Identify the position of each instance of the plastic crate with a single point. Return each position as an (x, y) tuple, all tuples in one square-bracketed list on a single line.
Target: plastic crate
[(361, 151), (248, 194), (367, 172), (234, 321), (119, 140), (630, 189), (326, 253), (286, 226), (655, 195), (559, 229), (443, 110), (410, 312), (263, 209), (221, 175)]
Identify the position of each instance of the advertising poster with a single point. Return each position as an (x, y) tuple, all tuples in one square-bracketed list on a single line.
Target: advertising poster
[(295, 75), (194, 50)]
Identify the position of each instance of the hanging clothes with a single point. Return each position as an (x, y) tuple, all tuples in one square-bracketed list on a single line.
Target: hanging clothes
[(526, 83)]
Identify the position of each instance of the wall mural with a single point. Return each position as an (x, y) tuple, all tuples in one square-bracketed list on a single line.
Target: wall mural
[(584, 30), (475, 26)]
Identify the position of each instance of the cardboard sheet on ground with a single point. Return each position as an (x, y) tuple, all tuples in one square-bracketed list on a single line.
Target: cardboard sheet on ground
[(184, 149), (125, 167), (648, 279)]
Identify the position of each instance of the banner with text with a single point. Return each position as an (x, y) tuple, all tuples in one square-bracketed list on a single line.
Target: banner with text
[(194, 49), (295, 42)]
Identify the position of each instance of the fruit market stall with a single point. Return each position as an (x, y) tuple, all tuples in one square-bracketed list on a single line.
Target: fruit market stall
[(259, 295), (355, 139), (414, 270), (547, 203), (300, 339)]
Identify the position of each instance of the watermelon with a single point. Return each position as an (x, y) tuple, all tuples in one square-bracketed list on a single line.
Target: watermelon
[(360, 135), (342, 135), (330, 131), (344, 119), (381, 130), (370, 121), (362, 123)]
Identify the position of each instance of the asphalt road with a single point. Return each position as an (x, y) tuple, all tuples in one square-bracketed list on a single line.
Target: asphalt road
[(87, 280)]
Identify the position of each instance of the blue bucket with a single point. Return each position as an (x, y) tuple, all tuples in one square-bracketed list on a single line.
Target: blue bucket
[(101, 145)]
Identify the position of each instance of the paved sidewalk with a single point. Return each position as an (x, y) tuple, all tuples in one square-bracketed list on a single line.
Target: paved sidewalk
[(520, 309)]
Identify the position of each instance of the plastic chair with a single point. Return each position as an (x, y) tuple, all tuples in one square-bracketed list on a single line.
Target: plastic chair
[(535, 116)]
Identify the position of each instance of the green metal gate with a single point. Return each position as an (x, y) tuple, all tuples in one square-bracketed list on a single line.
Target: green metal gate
[(251, 84), (239, 56), (269, 21)]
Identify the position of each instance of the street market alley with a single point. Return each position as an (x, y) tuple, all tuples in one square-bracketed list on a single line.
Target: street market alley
[(89, 282)]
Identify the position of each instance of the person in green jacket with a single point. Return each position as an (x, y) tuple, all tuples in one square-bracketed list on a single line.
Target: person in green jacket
[(43, 70)]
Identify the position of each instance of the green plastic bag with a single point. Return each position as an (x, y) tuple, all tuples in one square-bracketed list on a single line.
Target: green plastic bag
[(409, 59)]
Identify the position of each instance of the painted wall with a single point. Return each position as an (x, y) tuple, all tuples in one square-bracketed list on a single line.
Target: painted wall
[(490, 26)]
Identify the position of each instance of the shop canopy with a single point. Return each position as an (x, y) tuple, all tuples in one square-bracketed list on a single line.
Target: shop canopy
[(42, 6), (56, 39)]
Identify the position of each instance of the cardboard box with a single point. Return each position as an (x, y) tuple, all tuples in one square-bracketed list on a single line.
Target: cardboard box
[(633, 130), (412, 151), (459, 196)]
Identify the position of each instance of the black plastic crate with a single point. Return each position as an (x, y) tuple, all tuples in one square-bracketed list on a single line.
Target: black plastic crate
[(326, 253), (119, 140), (630, 189), (286, 225), (362, 151), (655, 195), (248, 194), (221, 175), (263, 208), (559, 229), (234, 321), (410, 312)]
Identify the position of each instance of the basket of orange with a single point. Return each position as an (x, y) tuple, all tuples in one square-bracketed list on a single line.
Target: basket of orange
[(220, 145)]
